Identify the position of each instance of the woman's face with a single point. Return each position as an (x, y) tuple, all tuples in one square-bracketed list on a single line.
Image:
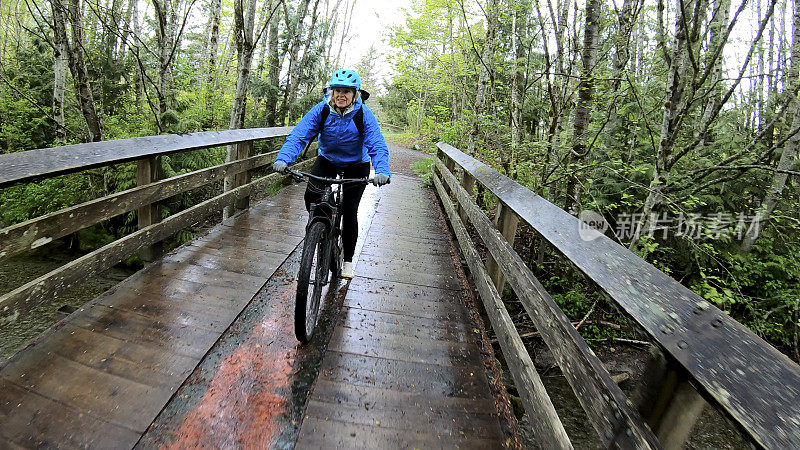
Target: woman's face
[(343, 97)]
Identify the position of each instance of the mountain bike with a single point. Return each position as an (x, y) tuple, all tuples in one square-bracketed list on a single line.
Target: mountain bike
[(322, 251)]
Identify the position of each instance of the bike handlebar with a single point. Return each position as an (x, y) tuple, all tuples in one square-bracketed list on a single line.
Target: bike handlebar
[(299, 176)]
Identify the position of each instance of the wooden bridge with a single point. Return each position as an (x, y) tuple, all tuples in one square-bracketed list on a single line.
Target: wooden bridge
[(197, 348)]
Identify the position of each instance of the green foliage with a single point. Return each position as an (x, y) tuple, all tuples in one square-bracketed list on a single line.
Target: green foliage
[(21, 203), (424, 168), (26, 98), (438, 58)]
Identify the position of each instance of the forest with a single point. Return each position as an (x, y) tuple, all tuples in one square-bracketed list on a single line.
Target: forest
[(674, 121)]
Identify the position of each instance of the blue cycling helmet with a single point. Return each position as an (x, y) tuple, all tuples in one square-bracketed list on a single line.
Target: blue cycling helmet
[(345, 78)]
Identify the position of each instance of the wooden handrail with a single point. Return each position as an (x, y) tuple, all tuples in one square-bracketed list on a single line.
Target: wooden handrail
[(756, 385), (31, 165), (548, 431), (41, 230), (616, 423), (36, 164)]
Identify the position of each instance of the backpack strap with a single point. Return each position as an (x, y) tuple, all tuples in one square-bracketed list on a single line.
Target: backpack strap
[(358, 119), (323, 116)]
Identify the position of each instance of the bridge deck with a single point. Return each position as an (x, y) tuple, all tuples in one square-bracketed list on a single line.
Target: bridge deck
[(400, 362), (403, 368)]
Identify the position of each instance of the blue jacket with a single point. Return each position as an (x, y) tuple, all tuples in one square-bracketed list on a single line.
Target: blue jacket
[(339, 142)]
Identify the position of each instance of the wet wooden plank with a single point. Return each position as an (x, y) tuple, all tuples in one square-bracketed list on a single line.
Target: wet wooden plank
[(368, 397), (31, 165), (417, 241), (238, 238), (140, 363), (398, 289), (171, 287), (253, 242), (741, 372), (216, 277), (389, 271), (271, 227), (207, 313), (30, 420), (407, 306), (117, 400), (260, 268), (428, 379), (260, 256), (404, 232), (408, 221), (404, 348), (439, 423), (403, 251), (171, 337), (439, 265), (317, 433), (405, 325)]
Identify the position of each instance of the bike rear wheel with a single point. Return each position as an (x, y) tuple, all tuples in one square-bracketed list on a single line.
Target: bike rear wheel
[(313, 263)]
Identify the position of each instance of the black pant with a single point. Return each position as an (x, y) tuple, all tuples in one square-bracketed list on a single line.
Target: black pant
[(351, 196)]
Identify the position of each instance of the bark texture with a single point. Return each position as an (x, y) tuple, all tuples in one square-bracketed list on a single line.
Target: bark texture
[(790, 151), (583, 112)]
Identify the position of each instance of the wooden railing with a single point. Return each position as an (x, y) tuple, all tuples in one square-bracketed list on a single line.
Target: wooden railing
[(22, 167), (706, 355)]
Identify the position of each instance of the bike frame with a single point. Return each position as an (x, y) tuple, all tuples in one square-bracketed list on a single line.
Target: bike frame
[(330, 206)]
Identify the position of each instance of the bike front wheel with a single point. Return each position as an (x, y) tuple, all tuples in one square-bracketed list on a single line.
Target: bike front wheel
[(313, 263)]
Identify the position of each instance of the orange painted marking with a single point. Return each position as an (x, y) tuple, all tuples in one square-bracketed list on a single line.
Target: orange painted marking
[(243, 404)]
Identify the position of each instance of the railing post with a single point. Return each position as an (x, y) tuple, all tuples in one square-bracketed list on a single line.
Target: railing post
[(468, 183), (682, 412), (148, 171), (506, 221), (450, 164), (670, 404), (244, 150)]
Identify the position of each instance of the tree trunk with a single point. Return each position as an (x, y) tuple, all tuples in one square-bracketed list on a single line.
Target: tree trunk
[(165, 37), (296, 30), (487, 59), (274, 63), (60, 68), (244, 12), (213, 43), (77, 65), (135, 50), (790, 151), (679, 75), (122, 48), (719, 23), (626, 20), (583, 112), (264, 19), (516, 81)]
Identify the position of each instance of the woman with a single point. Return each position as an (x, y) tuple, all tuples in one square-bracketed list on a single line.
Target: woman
[(349, 138)]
